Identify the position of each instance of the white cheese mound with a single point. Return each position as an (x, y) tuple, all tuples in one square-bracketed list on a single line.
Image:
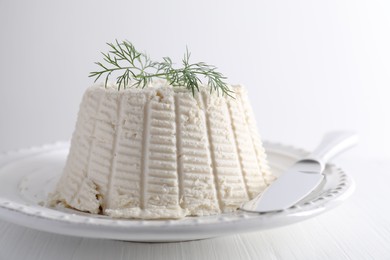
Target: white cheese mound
[(159, 153)]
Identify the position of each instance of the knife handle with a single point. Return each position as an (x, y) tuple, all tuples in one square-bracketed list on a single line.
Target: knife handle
[(333, 144)]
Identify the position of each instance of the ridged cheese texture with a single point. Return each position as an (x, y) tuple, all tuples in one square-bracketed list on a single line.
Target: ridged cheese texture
[(160, 153)]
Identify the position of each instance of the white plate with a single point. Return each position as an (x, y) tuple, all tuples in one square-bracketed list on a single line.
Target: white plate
[(27, 176)]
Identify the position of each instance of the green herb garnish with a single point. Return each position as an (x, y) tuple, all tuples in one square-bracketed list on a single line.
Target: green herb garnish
[(137, 68)]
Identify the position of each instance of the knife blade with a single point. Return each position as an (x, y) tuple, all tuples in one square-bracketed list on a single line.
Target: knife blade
[(303, 177)]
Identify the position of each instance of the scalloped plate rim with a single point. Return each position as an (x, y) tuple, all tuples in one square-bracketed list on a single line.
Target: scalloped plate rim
[(190, 228)]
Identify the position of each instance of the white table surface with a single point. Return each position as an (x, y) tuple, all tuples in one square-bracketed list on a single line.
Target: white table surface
[(358, 229)]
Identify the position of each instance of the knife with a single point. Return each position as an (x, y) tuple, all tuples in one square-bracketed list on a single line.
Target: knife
[(303, 177)]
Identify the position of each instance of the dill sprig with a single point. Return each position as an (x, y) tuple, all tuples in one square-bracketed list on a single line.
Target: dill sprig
[(125, 58), (136, 67)]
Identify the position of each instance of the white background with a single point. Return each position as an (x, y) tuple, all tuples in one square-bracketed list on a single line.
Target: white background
[(310, 66)]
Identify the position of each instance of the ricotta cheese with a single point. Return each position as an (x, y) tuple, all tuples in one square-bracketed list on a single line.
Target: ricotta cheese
[(159, 152)]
